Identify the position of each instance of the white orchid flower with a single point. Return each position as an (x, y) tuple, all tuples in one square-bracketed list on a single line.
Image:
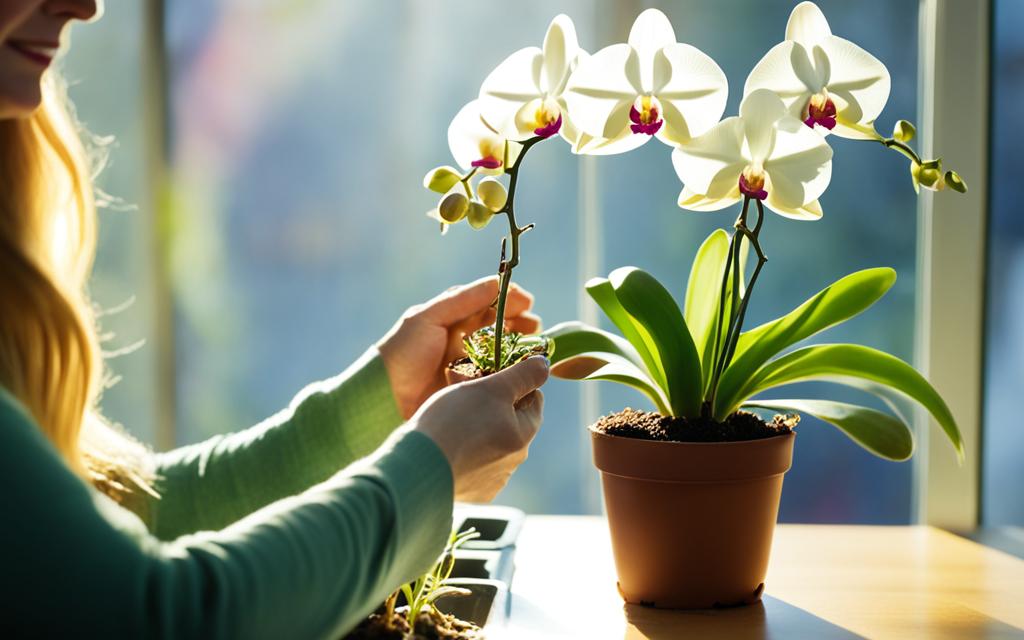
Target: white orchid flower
[(765, 153), (651, 86), (474, 144), (823, 79), (522, 97)]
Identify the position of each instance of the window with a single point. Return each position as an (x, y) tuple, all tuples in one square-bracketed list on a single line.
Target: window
[(299, 133), (1004, 372)]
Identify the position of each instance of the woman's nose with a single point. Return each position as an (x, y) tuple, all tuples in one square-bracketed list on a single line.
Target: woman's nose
[(74, 9)]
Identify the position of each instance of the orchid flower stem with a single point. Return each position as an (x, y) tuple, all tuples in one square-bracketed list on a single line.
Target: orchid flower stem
[(723, 353), (902, 147), (506, 266)]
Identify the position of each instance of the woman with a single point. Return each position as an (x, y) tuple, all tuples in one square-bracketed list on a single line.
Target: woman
[(295, 528)]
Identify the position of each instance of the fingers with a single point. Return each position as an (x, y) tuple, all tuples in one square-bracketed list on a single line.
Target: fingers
[(530, 412), (527, 323), (517, 381), (459, 303)]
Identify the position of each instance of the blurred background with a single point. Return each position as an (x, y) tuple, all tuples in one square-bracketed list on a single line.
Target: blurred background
[(289, 231)]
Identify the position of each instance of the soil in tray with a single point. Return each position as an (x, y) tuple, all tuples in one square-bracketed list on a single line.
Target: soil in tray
[(465, 366), (644, 425), (431, 625)]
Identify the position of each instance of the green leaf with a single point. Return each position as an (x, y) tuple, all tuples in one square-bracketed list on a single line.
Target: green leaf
[(615, 369), (702, 294), (836, 303), (880, 433), (572, 339), (603, 293), (846, 363), (654, 309), (583, 352)]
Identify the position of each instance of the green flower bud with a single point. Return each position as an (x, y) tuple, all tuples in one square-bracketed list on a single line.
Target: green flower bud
[(453, 207), (492, 193), (955, 182), (441, 179), (928, 175), (479, 215), (904, 131)]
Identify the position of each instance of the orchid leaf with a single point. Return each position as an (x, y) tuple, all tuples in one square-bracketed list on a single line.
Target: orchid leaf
[(880, 433), (846, 364), (652, 306), (833, 305), (603, 293)]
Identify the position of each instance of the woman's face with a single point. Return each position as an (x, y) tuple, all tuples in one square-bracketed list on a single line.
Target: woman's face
[(31, 32)]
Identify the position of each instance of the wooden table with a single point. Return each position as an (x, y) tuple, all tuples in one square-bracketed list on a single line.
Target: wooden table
[(823, 582)]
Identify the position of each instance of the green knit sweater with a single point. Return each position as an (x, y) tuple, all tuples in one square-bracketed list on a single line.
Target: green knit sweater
[(295, 528)]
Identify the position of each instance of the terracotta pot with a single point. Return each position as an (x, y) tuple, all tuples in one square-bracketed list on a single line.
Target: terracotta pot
[(691, 523)]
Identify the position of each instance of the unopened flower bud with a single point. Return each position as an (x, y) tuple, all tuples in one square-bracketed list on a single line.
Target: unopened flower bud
[(928, 175), (478, 215), (492, 193), (453, 207), (904, 131), (955, 182), (441, 179)]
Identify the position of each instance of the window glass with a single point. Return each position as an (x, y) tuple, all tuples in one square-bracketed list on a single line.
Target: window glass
[(1004, 356), (103, 71), (300, 132)]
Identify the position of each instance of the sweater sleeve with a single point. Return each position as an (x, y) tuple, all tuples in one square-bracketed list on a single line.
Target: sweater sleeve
[(309, 566), (328, 425)]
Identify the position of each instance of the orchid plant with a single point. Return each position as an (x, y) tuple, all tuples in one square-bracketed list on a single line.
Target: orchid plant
[(698, 361)]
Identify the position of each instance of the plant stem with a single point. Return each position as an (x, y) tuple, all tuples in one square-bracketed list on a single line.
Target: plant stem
[(902, 147), (506, 266), (723, 357)]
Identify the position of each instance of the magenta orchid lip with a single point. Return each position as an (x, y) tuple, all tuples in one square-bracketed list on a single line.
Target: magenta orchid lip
[(650, 125), (550, 129), (486, 163)]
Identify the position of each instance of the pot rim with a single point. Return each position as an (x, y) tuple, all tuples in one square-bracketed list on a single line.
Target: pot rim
[(735, 443)]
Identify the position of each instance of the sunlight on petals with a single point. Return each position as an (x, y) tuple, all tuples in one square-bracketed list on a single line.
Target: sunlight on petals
[(827, 82)]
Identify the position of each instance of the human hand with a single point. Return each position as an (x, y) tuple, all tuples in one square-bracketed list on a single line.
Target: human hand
[(485, 426), (429, 336)]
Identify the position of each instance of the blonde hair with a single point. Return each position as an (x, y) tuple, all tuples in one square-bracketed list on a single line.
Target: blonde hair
[(49, 350)]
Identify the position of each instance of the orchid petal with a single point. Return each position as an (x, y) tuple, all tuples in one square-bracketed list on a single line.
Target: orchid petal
[(810, 211), (703, 160), (601, 90), (760, 111), (469, 136), (560, 50), (514, 82), (688, 199), (787, 71), (799, 167), (859, 83), (692, 90), (807, 25), (650, 32), (625, 141)]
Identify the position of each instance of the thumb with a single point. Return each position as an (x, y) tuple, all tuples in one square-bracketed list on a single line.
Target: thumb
[(517, 381)]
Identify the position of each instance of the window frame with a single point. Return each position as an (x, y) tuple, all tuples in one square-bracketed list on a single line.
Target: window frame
[(953, 81)]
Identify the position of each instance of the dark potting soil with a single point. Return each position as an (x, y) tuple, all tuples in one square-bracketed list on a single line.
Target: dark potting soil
[(430, 625), (645, 425)]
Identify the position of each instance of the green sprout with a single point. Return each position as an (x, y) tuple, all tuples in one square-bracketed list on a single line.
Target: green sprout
[(422, 593), (515, 347)]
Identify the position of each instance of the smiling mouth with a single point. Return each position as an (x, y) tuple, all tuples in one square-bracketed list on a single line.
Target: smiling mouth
[(41, 53)]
